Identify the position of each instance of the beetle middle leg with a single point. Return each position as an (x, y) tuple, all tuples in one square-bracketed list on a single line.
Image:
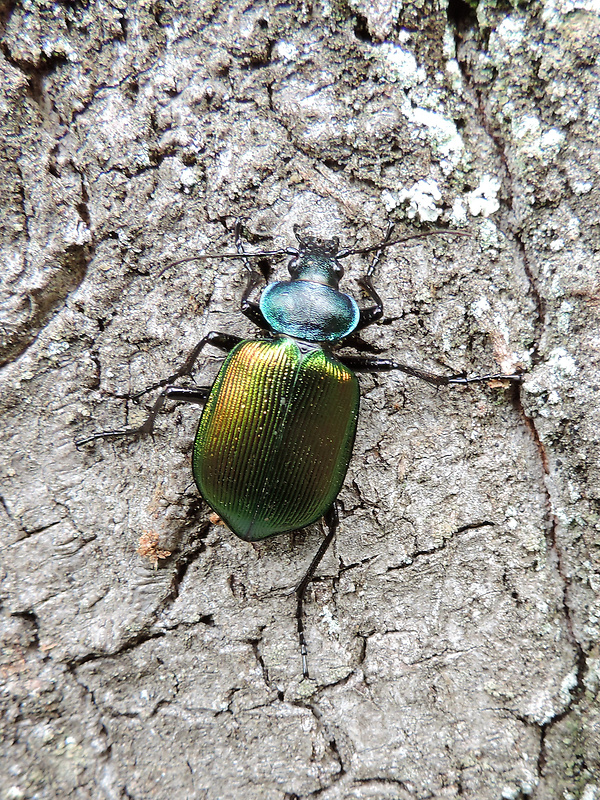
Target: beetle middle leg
[(223, 341), (332, 520), (366, 364), (197, 395)]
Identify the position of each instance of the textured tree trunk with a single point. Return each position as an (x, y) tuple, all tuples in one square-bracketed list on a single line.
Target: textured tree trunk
[(453, 627)]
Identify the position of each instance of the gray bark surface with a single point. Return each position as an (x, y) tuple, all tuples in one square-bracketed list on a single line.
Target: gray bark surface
[(453, 627)]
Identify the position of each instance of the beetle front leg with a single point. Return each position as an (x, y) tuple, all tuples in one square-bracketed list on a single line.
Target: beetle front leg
[(366, 364), (332, 520), (249, 308), (370, 315), (197, 395)]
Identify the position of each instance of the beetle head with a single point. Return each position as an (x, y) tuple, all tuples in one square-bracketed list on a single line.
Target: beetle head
[(316, 260)]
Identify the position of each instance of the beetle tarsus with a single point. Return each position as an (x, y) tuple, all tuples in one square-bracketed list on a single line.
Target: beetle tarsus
[(112, 434), (464, 380), (239, 245), (379, 253), (304, 654)]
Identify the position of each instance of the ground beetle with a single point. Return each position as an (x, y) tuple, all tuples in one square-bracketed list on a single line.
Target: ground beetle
[(278, 426)]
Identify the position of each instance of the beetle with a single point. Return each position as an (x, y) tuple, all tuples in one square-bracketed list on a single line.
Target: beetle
[(278, 426)]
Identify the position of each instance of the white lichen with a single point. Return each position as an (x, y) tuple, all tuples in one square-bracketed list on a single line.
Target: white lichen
[(484, 199), (507, 39), (489, 235), (286, 51), (400, 66), (442, 134), (553, 11), (534, 143), (422, 198), (458, 215)]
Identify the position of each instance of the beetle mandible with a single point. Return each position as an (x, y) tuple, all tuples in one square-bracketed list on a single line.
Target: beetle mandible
[(277, 430)]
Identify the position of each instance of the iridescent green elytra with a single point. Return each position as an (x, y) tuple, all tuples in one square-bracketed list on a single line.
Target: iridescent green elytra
[(275, 437)]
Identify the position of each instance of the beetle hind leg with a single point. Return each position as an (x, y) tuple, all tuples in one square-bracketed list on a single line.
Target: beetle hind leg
[(332, 520), (197, 395)]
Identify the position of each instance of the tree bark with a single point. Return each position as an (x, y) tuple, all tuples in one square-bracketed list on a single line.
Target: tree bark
[(453, 627)]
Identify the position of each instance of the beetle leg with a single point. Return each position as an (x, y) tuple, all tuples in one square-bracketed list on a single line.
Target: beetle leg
[(377, 257), (366, 364), (196, 395), (249, 308), (332, 520), (464, 380), (222, 341), (370, 315)]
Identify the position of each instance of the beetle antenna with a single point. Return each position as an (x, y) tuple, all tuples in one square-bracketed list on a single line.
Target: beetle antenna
[(288, 251), (351, 252)]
